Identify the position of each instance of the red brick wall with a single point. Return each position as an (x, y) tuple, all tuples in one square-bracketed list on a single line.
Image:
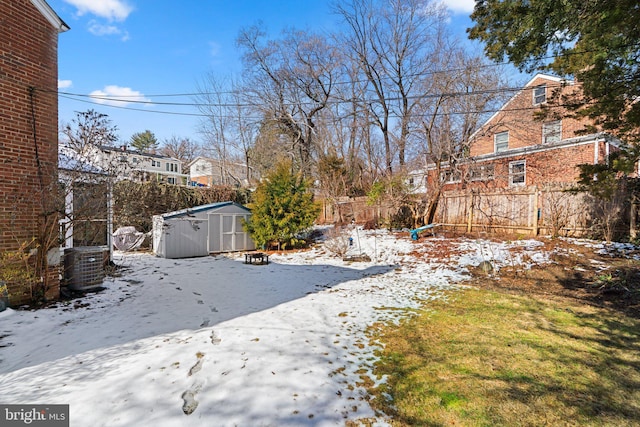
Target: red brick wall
[(28, 59), (518, 117)]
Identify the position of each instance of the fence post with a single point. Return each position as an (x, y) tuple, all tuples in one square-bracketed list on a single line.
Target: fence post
[(470, 218), (535, 211)]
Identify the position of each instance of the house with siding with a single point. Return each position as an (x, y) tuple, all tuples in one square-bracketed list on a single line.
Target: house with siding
[(520, 161), (29, 149), (133, 165), (207, 172)]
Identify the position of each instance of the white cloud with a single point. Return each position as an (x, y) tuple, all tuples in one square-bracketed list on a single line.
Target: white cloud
[(118, 96), (113, 10), (459, 6), (64, 84), (98, 29), (214, 49)]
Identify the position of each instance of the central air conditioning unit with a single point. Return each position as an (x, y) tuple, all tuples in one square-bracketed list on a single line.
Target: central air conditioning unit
[(84, 267)]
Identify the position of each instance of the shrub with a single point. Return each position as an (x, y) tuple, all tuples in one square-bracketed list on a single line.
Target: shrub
[(282, 208)]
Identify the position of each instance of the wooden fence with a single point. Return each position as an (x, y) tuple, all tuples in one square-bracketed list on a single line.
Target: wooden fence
[(347, 209), (530, 211)]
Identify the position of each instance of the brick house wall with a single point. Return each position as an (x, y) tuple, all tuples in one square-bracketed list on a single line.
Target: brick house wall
[(518, 117), (539, 157), (544, 166), (29, 138), (545, 160)]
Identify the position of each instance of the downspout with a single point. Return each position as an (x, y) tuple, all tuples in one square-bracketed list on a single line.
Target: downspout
[(35, 144)]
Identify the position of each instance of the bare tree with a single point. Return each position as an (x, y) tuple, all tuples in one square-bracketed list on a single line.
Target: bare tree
[(183, 149), (446, 120), (229, 126), (290, 81), (89, 128), (393, 43), (349, 127)]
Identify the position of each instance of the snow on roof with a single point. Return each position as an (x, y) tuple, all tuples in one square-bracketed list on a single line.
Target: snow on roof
[(70, 160)]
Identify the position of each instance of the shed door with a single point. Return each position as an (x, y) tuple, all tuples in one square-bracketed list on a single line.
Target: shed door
[(233, 235), (228, 233)]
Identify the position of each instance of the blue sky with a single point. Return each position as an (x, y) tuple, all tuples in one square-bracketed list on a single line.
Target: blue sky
[(149, 48)]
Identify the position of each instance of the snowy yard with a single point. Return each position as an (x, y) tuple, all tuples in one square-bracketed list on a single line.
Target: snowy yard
[(213, 341)]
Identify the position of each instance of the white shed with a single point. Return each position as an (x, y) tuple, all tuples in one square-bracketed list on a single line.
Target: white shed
[(201, 230)]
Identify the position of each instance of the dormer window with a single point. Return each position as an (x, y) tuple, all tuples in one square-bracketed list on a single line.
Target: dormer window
[(501, 141), (539, 94)]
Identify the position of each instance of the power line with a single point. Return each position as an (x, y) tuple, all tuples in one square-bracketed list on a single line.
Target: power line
[(127, 100)]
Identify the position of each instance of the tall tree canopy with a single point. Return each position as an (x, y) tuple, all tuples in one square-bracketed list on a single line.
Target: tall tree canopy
[(144, 141), (596, 41)]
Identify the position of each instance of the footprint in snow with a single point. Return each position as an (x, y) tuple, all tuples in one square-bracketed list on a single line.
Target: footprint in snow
[(215, 339), (196, 368), (189, 398)]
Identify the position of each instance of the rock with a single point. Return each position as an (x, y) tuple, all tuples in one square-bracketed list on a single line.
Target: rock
[(485, 267)]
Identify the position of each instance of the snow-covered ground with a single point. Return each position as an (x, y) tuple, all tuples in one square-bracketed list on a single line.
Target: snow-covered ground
[(215, 342)]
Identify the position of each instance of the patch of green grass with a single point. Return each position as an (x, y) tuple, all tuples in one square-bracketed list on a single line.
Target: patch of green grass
[(486, 358)]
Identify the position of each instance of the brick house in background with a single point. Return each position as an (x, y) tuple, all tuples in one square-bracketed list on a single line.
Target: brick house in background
[(524, 151), (518, 165), (29, 146)]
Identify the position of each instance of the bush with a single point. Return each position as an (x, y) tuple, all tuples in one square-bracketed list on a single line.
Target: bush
[(337, 241)]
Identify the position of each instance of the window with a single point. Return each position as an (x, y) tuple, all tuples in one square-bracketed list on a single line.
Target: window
[(539, 94), (552, 132), (517, 173), (481, 172), (171, 180), (155, 163), (501, 141), (450, 176)]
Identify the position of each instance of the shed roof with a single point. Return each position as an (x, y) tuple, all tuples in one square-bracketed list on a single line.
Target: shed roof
[(211, 206)]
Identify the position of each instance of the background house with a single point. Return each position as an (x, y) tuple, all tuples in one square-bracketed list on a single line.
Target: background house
[(519, 165), (136, 166), (515, 148), (207, 172), (29, 148)]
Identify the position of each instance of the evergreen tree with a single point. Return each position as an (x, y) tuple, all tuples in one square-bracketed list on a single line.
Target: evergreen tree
[(282, 208), (144, 141)]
